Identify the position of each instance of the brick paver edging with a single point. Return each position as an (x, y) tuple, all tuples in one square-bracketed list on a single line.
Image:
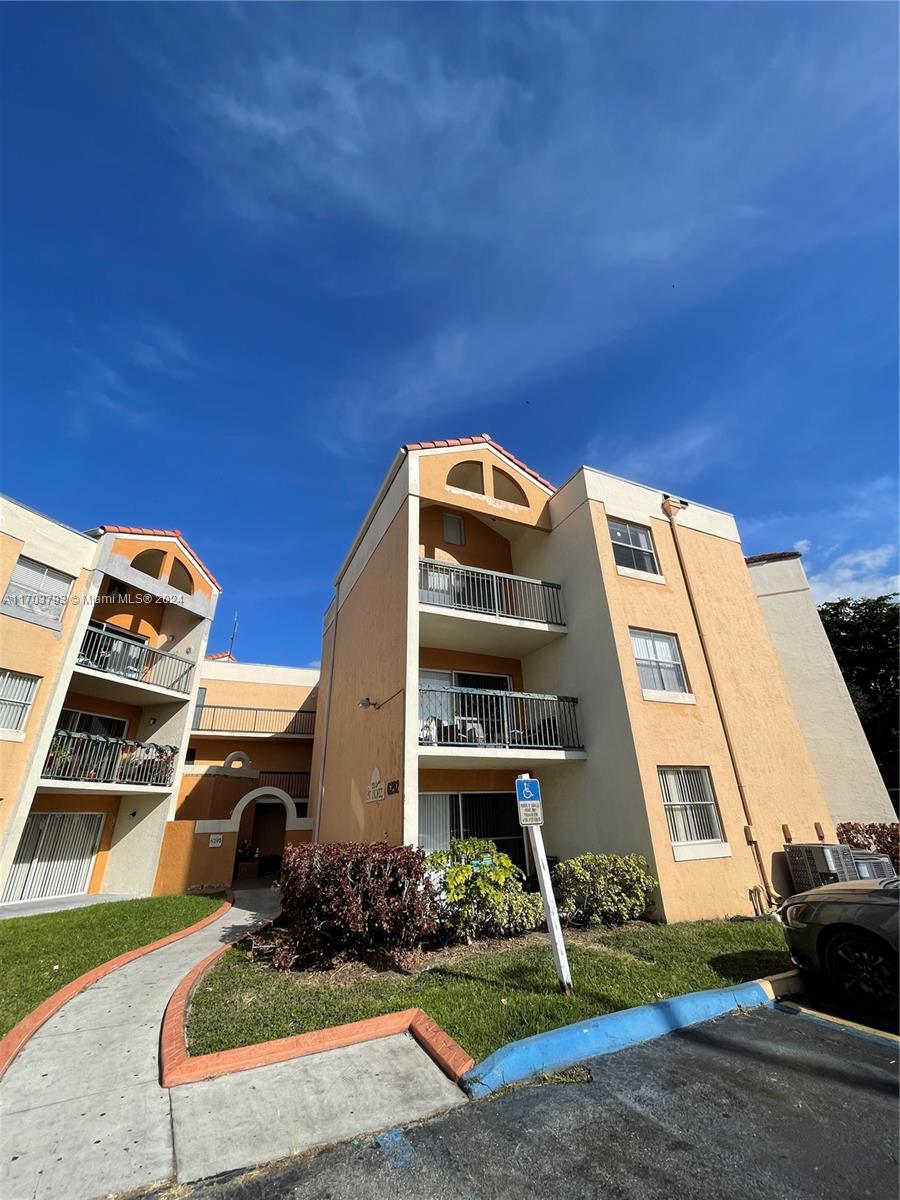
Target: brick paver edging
[(12, 1044), (177, 1066)]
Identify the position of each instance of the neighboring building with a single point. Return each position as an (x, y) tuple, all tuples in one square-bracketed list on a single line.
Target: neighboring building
[(602, 636), (246, 778), (129, 764), (101, 634), (847, 771)]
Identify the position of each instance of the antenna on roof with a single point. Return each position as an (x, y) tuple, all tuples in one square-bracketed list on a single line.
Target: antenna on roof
[(233, 636)]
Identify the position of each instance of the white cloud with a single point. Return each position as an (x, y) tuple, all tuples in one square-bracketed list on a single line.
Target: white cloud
[(115, 383), (857, 573), (678, 457), (803, 545), (549, 202)]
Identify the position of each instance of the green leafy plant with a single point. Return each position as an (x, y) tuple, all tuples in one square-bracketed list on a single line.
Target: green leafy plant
[(481, 893), (603, 889)]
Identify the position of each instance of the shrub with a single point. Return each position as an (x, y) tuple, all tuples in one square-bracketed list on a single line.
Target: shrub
[(603, 889), (881, 836), (481, 892), (354, 901)]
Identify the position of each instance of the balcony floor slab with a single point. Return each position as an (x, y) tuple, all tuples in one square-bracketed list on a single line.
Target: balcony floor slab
[(109, 686), (483, 633), (474, 757)]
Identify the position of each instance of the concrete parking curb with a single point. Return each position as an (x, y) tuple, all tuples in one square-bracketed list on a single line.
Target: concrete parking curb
[(177, 1066), (561, 1048), (11, 1045)]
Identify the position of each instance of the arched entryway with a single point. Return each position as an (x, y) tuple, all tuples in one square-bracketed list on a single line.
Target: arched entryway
[(261, 820)]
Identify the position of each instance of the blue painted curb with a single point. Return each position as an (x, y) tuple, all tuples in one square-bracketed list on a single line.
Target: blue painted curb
[(560, 1048)]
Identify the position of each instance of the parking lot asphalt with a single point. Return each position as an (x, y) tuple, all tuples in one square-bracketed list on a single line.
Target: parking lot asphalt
[(766, 1104)]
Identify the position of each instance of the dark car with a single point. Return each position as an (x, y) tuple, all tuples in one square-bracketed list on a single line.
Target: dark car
[(849, 932)]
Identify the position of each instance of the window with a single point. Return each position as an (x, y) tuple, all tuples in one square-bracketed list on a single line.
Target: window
[(454, 530), (658, 661), (690, 805), (16, 694), (74, 721), (633, 547), (468, 476), (37, 592)]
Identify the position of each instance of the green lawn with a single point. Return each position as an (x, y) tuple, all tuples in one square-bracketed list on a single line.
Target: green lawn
[(485, 1000), (39, 954)]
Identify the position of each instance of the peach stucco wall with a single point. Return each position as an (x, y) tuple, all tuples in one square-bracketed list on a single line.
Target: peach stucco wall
[(433, 471), (252, 694), (781, 785), (130, 547), (483, 547), (370, 660), (32, 650), (458, 660)]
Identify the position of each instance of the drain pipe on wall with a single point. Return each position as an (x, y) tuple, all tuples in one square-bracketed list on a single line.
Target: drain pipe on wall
[(671, 507)]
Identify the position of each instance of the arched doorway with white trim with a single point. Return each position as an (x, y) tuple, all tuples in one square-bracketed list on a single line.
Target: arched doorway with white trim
[(241, 822)]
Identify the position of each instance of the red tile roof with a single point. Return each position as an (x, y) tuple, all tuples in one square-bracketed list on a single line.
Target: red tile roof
[(772, 556), (222, 656), (172, 533), (480, 439)]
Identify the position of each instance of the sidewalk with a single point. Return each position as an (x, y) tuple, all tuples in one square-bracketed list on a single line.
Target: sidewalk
[(83, 1114)]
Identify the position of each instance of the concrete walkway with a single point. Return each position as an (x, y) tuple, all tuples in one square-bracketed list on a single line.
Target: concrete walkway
[(83, 1115), (32, 908)]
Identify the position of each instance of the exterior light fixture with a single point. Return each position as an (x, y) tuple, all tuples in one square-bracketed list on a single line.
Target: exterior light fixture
[(367, 703)]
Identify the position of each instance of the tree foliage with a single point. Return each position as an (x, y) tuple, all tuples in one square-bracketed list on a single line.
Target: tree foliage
[(866, 643)]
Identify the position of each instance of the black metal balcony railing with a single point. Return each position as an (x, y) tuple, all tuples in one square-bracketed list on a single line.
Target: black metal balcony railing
[(295, 783), (220, 718), (88, 757), (450, 586), (103, 651), (452, 716)]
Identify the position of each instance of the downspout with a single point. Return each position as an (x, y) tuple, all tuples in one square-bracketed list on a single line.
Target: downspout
[(337, 612), (671, 507)]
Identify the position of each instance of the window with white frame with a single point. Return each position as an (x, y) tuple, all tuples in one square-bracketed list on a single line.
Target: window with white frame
[(37, 591), (633, 546), (454, 530), (690, 805), (16, 694), (658, 661)]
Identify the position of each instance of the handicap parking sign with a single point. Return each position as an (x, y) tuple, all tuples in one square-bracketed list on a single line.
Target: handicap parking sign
[(528, 795), (527, 790)]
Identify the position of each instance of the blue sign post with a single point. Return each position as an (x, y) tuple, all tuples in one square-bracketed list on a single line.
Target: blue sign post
[(531, 817)]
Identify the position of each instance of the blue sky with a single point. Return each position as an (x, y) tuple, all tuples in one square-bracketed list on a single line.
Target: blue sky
[(248, 251)]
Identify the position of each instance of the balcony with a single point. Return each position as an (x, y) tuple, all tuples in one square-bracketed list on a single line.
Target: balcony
[(90, 762), (467, 608), (468, 726), (124, 668), (215, 719), (294, 783)]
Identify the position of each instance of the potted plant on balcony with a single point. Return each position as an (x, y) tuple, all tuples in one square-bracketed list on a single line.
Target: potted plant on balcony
[(247, 860)]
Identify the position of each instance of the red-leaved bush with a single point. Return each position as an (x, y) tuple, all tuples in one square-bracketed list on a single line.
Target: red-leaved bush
[(363, 901), (880, 836)]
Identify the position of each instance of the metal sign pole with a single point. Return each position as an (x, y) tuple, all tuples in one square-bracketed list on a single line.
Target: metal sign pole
[(536, 839)]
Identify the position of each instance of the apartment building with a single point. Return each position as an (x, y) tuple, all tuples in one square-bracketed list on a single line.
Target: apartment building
[(603, 636), (101, 637), (848, 774), (245, 782)]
